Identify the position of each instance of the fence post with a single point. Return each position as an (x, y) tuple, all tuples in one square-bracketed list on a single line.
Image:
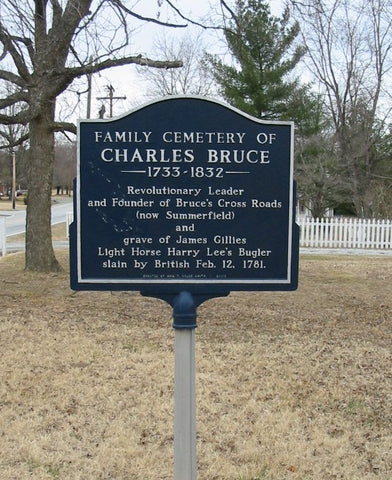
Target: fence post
[(68, 221), (3, 241)]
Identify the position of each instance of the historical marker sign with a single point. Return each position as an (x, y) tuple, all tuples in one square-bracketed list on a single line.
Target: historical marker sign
[(185, 193)]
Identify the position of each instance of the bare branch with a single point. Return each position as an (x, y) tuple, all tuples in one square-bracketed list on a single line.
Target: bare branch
[(180, 14), (13, 143), (64, 126), (147, 19), (110, 63), (13, 99), (8, 42), (12, 78), (22, 117), (232, 14)]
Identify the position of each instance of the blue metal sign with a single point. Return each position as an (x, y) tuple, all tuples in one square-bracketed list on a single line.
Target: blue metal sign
[(184, 193)]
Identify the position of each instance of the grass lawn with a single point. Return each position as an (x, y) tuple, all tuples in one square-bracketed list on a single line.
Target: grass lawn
[(294, 385)]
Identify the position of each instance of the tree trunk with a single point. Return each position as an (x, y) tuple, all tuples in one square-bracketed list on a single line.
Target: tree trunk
[(40, 255)]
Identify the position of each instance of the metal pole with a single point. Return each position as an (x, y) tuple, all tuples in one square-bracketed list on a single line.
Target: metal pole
[(184, 314), (111, 90), (185, 467), (89, 90), (89, 77)]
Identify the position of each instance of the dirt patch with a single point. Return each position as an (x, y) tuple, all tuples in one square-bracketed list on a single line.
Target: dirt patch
[(291, 385)]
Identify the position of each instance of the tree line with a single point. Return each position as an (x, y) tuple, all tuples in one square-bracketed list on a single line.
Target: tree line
[(325, 64), (64, 169)]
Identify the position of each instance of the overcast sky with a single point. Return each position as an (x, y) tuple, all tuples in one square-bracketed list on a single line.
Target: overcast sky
[(126, 80)]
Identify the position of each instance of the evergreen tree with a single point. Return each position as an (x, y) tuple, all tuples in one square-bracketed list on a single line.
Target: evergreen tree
[(264, 55)]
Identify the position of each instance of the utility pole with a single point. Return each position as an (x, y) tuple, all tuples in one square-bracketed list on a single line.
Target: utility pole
[(110, 97), (89, 78)]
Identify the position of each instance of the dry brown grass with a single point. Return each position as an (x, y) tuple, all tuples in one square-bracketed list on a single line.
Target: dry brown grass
[(58, 233), (289, 385)]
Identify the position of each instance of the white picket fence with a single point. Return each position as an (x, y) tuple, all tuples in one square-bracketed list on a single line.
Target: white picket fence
[(339, 232)]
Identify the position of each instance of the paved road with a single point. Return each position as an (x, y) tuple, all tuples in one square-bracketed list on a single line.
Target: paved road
[(16, 220)]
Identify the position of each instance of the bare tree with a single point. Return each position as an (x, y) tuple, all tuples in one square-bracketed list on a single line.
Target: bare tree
[(318, 183), (64, 167), (44, 46), (349, 53), (193, 78)]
